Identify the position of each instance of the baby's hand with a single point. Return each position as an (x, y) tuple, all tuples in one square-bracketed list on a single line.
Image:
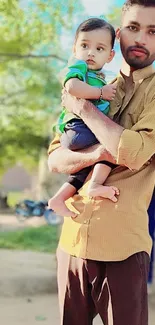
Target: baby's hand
[(109, 92)]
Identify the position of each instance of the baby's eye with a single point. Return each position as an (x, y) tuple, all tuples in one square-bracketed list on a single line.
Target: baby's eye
[(84, 46), (100, 49), (152, 32)]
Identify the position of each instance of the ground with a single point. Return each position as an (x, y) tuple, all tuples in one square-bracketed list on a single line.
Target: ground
[(38, 310)]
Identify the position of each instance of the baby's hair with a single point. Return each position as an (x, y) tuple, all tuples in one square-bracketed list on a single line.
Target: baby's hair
[(93, 24)]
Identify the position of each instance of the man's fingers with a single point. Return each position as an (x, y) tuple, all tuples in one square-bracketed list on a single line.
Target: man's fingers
[(63, 96), (115, 83), (63, 91)]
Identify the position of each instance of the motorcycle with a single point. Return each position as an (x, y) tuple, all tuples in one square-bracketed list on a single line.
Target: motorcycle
[(28, 208)]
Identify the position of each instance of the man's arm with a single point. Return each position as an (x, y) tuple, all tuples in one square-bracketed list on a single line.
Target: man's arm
[(65, 161), (106, 131), (132, 148)]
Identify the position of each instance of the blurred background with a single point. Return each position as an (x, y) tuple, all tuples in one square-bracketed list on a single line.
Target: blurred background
[(36, 38)]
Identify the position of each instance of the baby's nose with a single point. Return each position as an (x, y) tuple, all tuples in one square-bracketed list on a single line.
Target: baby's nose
[(91, 53)]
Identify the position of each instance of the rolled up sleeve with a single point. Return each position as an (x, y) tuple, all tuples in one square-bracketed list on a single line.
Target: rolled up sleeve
[(55, 143), (137, 146)]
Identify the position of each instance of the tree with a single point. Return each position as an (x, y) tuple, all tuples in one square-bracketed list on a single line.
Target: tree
[(114, 16), (31, 56)]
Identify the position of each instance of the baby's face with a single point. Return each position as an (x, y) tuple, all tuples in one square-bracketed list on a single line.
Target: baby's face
[(94, 47)]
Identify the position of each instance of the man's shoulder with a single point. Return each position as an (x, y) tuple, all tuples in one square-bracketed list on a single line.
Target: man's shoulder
[(150, 88), (55, 143)]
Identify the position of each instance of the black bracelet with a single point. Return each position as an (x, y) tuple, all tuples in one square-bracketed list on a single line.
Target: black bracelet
[(101, 97)]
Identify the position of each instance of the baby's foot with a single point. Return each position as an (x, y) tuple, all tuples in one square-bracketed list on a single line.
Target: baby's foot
[(108, 192), (60, 208)]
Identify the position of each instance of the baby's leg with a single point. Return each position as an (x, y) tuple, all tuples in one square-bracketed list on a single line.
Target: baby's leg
[(57, 202), (76, 136), (96, 187), (75, 182)]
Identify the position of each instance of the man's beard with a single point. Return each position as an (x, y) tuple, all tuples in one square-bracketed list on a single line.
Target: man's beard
[(136, 62)]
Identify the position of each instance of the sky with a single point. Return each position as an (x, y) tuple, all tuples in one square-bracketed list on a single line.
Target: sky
[(97, 7)]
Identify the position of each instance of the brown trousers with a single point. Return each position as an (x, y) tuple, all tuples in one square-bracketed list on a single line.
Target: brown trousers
[(117, 291)]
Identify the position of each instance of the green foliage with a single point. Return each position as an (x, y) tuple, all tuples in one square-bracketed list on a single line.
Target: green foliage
[(14, 198), (42, 239), (31, 56), (114, 16)]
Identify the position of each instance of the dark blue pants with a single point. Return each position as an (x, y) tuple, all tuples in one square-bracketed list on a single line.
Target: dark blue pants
[(78, 136), (151, 212)]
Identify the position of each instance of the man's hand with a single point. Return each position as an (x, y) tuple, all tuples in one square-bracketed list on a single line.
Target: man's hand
[(109, 92), (73, 104), (99, 152)]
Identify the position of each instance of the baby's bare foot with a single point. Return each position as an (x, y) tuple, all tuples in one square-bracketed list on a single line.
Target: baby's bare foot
[(60, 208), (108, 192)]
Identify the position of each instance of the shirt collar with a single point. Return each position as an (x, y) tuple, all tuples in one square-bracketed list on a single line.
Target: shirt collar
[(140, 75)]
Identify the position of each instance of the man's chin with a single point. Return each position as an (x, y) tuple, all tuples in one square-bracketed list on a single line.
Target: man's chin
[(138, 64)]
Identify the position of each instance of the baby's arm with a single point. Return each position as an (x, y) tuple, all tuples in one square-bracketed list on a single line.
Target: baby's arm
[(81, 89)]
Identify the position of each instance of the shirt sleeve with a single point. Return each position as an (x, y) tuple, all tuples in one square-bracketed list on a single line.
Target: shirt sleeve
[(77, 70), (54, 144), (137, 146)]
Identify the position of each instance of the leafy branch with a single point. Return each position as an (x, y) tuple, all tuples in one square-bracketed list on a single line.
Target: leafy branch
[(17, 56)]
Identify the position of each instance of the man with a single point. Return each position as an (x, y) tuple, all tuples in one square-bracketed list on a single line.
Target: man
[(103, 255), (151, 213)]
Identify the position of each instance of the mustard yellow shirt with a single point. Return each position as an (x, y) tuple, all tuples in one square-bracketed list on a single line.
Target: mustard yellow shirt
[(108, 231)]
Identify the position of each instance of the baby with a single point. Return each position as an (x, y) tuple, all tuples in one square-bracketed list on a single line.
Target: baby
[(93, 47)]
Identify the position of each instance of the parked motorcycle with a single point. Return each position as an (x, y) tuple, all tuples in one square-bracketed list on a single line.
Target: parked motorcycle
[(28, 208)]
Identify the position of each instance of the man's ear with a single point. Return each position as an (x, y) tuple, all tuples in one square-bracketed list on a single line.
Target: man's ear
[(118, 30), (112, 54)]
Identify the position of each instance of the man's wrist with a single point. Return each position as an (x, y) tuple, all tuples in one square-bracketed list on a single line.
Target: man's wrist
[(79, 106)]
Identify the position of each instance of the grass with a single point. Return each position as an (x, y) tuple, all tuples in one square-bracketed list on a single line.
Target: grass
[(13, 198), (42, 239)]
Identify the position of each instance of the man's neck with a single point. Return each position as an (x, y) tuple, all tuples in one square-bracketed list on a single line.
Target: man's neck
[(127, 74), (126, 70)]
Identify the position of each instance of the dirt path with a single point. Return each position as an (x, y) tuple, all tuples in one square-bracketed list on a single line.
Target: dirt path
[(10, 222), (31, 311), (38, 310)]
